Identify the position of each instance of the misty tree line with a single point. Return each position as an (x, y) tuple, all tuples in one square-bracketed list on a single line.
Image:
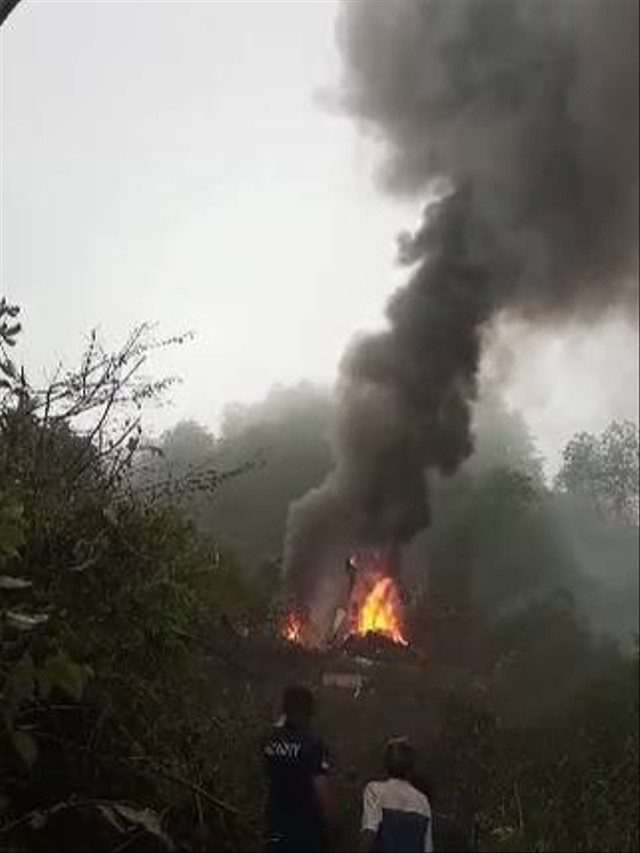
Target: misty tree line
[(500, 533), (130, 569)]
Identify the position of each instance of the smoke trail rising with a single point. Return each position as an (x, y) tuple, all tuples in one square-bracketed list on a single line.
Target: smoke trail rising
[(521, 119)]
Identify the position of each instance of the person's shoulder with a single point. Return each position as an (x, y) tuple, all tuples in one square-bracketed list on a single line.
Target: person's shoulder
[(270, 733), (313, 741), (375, 787), (421, 800)]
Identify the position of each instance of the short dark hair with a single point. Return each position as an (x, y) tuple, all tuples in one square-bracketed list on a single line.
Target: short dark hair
[(398, 758), (298, 703)]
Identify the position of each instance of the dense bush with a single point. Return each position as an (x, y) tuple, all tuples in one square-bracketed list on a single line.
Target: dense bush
[(570, 782), (106, 597)]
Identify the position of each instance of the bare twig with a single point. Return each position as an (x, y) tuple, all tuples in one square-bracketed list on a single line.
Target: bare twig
[(195, 788), (516, 795)]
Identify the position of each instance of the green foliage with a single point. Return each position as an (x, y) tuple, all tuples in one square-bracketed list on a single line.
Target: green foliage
[(596, 510), (571, 781), (604, 470), (543, 653), (11, 528), (61, 673), (106, 597), (25, 681)]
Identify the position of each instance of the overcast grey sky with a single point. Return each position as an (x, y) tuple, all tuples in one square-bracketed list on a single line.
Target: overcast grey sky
[(169, 160)]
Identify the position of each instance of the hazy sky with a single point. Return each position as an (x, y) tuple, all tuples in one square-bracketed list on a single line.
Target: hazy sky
[(168, 160)]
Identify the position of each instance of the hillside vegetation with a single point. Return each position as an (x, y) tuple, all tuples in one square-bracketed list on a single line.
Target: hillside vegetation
[(139, 603)]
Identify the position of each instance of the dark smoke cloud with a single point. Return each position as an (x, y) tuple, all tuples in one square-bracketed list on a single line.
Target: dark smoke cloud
[(521, 118)]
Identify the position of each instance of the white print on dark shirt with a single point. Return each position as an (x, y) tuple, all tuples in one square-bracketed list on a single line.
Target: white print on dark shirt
[(280, 749)]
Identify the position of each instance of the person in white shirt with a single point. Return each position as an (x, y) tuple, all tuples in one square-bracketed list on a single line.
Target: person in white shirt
[(396, 816)]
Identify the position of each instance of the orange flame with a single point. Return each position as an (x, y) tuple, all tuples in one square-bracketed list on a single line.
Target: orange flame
[(292, 629), (381, 611)]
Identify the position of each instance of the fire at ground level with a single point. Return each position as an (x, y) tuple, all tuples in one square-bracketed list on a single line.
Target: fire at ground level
[(369, 603)]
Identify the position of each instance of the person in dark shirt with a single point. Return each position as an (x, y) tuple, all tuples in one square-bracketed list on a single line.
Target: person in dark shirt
[(296, 764)]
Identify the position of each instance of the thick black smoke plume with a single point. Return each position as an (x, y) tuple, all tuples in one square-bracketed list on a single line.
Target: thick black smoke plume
[(521, 119)]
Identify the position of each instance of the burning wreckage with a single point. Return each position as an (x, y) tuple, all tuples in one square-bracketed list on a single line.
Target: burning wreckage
[(366, 626), (368, 616), (519, 130)]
